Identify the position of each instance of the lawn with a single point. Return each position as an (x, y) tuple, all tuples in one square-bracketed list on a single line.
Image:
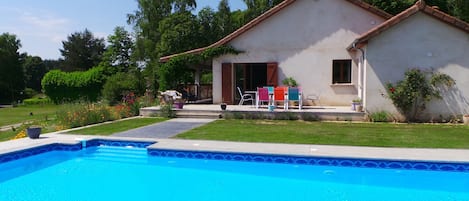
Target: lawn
[(117, 126), (331, 133), (22, 113)]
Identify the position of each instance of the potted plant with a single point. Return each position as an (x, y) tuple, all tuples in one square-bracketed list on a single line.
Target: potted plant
[(179, 103), (465, 119), (33, 132), (357, 105), (223, 106), (289, 81)]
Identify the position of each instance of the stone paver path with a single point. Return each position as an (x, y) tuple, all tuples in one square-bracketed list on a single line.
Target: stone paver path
[(165, 129)]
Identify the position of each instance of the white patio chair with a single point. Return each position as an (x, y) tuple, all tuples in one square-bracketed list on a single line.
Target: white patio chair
[(245, 97)]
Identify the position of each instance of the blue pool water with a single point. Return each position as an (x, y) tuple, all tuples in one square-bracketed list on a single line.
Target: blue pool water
[(123, 173)]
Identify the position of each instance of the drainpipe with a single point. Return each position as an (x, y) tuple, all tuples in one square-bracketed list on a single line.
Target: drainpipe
[(361, 68)]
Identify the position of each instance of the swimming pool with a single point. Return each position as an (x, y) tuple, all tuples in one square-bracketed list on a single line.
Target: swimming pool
[(109, 170)]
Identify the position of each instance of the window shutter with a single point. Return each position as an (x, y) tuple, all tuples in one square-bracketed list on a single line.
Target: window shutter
[(272, 74), (227, 83)]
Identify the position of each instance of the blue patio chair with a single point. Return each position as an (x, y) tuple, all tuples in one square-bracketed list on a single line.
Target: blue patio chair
[(294, 94)]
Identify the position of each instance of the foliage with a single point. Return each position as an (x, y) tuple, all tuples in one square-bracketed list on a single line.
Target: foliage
[(119, 84), (380, 116), (457, 8), (167, 111), (82, 51), (223, 20), (65, 87), (178, 33), (11, 69), (118, 55), (37, 101), (176, 70), (34, 70), (80, 114), (289, 81), (257, 7), (411, 94), (392, 7)]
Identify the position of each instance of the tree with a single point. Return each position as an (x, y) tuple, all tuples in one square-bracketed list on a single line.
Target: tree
[(12, 75), (184, 5), (82, 51), (207, 26), (257, 7), (35, 69), (223, 20), (117, 57), (459, 8), (392, 7), (177, 33)]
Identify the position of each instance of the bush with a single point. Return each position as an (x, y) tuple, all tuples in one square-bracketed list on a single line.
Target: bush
[(36, 101), (119, 85), (381, 116), (79, 114), (68, 87), (411, 94)]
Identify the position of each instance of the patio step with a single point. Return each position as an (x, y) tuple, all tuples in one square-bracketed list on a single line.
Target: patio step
[(197, 114)]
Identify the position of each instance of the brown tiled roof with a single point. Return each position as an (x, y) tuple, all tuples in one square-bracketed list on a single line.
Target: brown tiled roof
[(267, 15), (420, 6)]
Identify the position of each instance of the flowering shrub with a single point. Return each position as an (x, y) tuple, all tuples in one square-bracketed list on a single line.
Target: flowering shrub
[(411, 94), (20, 135), (76, 115)]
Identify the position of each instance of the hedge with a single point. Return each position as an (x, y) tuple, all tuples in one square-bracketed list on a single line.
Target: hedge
[(68, 87)]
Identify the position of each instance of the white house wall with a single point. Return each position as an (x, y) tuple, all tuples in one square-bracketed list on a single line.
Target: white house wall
[(304, 38), (419, 42)]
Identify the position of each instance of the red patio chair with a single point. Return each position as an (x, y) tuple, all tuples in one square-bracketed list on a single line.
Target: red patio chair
[(279, 96)]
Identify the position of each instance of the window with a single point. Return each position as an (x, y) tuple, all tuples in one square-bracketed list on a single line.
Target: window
[(341, 71)]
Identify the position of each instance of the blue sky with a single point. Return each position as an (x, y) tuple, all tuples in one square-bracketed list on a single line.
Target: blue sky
[(42, 25)]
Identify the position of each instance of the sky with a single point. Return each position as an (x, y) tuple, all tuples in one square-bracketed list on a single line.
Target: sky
[(42, 25)]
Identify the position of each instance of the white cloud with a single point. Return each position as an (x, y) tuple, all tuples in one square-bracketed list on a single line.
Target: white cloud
[(44, 22)]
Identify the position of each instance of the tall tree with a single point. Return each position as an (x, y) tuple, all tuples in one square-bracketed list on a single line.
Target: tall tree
[(184, 5), (12, 75), (178, 33), (392, 6), (117, 57), (146, 22), (257, 7), (223, 19), (35, 69), (459, 8), (207, 26), (82, 51)]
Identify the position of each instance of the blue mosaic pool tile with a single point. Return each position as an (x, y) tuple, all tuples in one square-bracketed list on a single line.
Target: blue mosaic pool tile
[(38, 150), (117, 143), (310, 160), (68, 147)]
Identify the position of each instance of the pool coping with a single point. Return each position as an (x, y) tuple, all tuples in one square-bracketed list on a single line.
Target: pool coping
[(349, 152)]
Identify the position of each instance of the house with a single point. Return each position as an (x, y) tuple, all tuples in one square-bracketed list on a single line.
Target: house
[(420, 37), (344, 49)]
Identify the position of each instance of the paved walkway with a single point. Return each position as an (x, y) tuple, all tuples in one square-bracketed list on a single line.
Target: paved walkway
[(165, 129)]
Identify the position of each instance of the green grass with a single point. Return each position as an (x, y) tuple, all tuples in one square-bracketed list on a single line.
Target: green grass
[(328, 133), (117, 126), (47, 127), (21, 114)]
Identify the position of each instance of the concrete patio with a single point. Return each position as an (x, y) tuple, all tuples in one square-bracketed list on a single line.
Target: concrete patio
[(328, 113)]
